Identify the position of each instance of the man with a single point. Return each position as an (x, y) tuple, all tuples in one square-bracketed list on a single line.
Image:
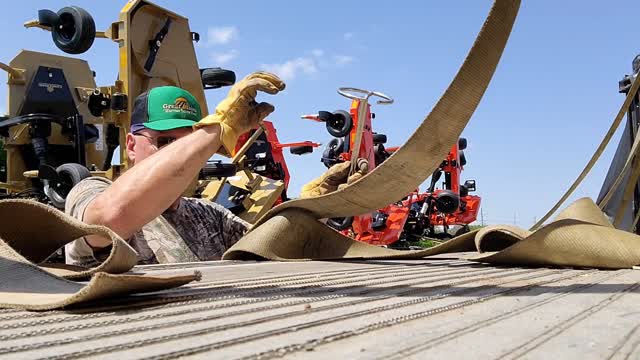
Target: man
[(168, 145), (144, 205)]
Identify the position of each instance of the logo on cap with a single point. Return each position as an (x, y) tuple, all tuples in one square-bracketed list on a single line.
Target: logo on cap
[(180, 105)]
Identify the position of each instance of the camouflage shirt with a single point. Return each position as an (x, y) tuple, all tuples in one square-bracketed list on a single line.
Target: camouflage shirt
[(198, 230)]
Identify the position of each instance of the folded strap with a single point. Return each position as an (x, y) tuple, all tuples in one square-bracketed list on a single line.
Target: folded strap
[(579, 237), (30, 232)]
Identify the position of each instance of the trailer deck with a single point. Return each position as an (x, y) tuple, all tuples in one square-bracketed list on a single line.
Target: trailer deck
[(437, 307)]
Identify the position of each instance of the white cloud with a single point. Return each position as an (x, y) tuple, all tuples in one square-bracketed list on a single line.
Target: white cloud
[(348, 36), (317, 52), (225, 57), (221, 35), (343, 59), (290, 68)]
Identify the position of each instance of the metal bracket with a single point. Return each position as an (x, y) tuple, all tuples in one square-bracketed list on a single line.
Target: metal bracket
[(154, 45)]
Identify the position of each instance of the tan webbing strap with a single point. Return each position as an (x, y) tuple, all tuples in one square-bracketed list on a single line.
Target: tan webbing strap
[(627, 165), (423, 152), (580, 235), (31, 232), (416, 160), (596, 155)]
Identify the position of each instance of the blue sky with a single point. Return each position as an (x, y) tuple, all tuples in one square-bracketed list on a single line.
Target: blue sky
[(549, 104)]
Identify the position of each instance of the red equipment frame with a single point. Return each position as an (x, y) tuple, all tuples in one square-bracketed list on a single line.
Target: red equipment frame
[(452, 168), (366, 227), (275, 147)]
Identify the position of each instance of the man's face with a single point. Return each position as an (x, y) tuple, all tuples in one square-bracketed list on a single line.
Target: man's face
[(147, 142)]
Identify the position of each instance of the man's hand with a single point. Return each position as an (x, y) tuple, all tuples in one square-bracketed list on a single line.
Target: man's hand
[(240, 112), (335, 178)]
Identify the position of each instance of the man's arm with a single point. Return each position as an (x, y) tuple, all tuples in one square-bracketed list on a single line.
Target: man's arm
[(150, 187), (144, 191)]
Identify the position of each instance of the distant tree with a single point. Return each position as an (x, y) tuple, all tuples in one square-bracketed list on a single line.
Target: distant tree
[(475, 227)]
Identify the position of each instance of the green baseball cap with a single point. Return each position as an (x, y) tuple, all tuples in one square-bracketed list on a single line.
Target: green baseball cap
[(164, 108)]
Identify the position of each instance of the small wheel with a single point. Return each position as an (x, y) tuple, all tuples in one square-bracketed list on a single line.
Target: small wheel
[(69, 175), (379, 138), (75, 30), (301, 150), (380, 154), (463, 158), (340, 124), (213, 78), (464, 191), (341, 223), (462, 143), (331, 152), (447, 202), (218, 169)]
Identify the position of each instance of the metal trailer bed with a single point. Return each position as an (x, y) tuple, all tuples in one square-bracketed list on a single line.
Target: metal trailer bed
[(432, 308)]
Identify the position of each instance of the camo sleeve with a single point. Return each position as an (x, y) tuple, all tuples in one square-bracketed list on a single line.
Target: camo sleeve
[(78, 252), (197, 230), (207, 228)]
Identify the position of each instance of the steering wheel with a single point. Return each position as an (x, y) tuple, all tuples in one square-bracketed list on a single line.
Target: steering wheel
[(360, 94)]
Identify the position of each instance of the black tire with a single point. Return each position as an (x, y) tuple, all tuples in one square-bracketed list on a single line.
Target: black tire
[(464, 191), (69, 175), (447, 202), (380, 154), (218, 170), (72, 174), (340, 124), (301, 150), (462, 143), (379, 138), (75, 30), (463, 158), (331, 152), (213, 78), (341, 223), (47, 17)]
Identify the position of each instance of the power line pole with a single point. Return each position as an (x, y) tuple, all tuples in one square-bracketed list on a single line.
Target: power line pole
[(482, 216)]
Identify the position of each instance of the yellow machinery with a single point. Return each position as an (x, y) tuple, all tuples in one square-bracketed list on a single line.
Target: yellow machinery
[(62, 127)]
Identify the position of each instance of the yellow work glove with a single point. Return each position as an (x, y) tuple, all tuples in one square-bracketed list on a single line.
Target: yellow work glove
[(336, 177), (239, 112)]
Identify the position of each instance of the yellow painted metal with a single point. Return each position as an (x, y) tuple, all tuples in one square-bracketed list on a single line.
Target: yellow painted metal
[(264, 192), (138, 22), (21, 70)]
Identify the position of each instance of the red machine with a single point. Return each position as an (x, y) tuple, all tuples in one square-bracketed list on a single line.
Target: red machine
[(434, 212), (420, 214), (258, 152), (265, 156)]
